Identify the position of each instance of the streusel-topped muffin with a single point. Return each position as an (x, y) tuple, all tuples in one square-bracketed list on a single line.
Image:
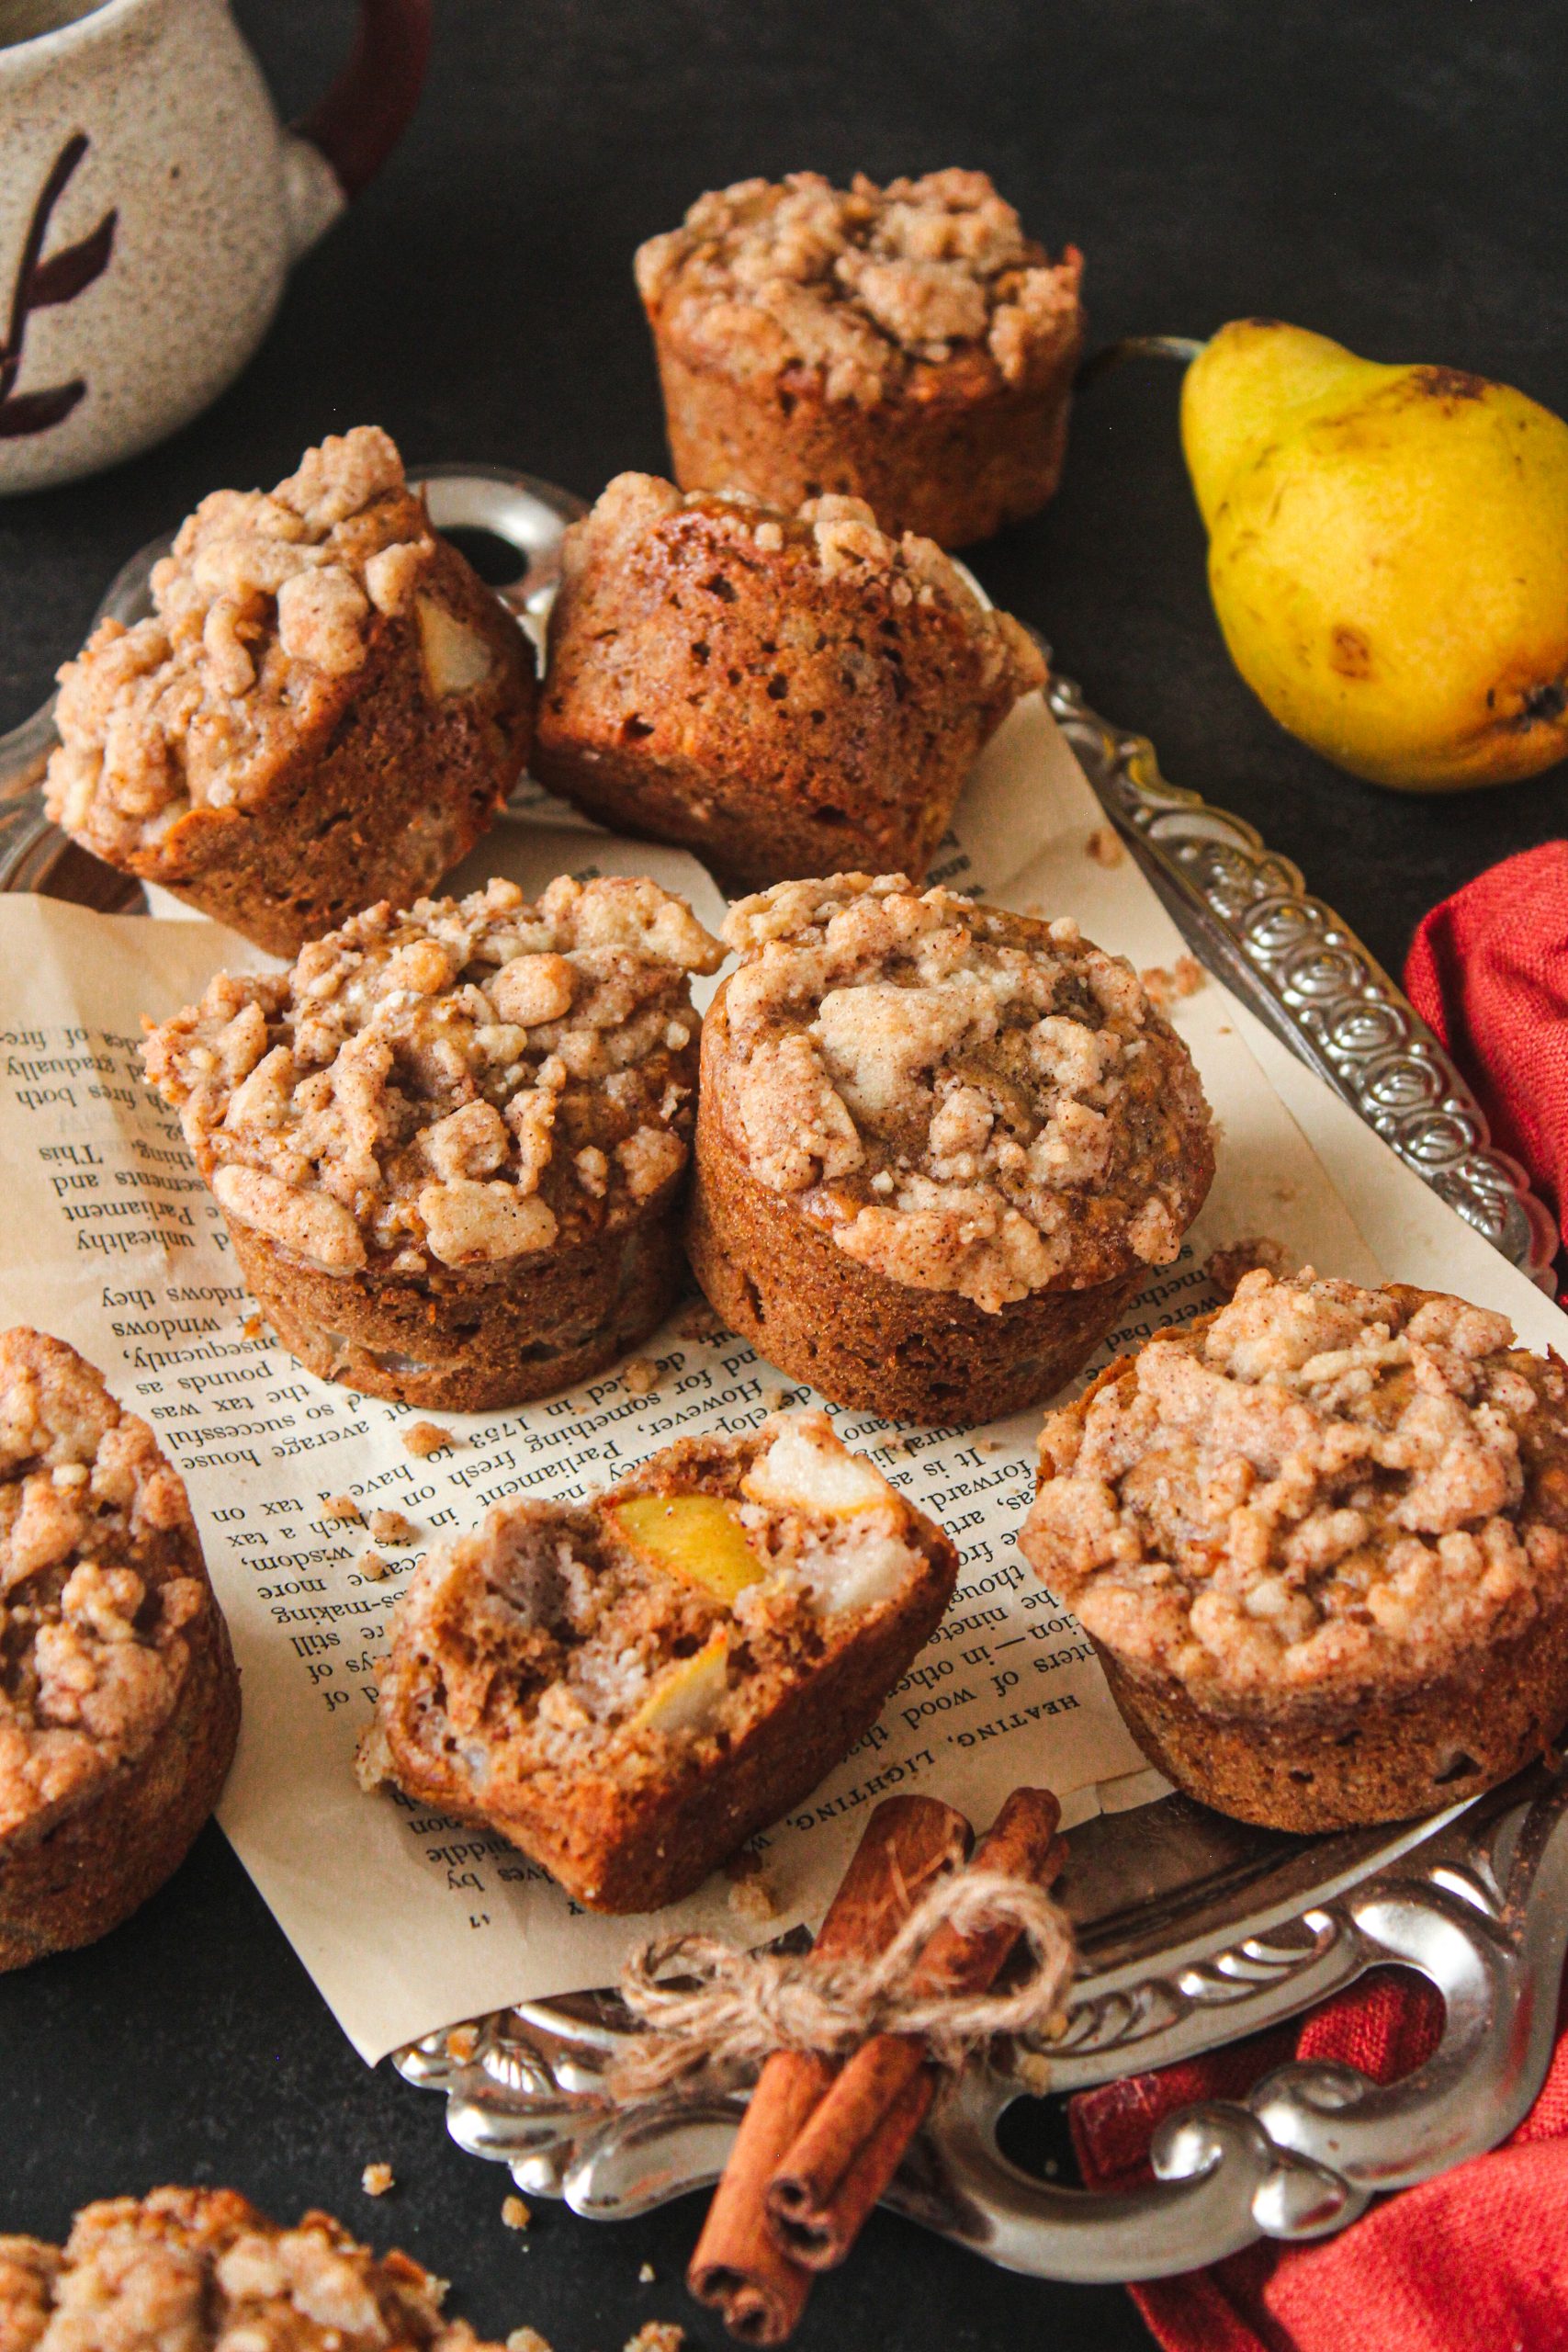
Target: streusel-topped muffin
[(119, 1702), (449, 1143), (191, 2269), (1320, 1540), (786, 693), (905, 344), (938, 1145), (326, 706), (630, 1688)]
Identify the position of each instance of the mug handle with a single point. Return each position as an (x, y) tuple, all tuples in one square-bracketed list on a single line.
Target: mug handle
[(332, 153)]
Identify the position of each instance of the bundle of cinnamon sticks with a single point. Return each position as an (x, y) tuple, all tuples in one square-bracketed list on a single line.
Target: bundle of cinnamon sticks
[(821, 2141)]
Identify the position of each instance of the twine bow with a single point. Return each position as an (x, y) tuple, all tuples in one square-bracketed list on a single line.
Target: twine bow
[(709, 2007)]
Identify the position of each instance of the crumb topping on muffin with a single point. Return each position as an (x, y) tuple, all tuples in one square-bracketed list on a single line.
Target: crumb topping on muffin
[(830, 537), (970, 1099), (263, 610), (186, 2269), (461, 1082), (662, 1618), (1318, 1485), (879, 291), (95, 1593)]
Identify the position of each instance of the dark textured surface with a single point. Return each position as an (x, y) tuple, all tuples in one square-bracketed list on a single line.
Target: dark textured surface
[(1388, 174)]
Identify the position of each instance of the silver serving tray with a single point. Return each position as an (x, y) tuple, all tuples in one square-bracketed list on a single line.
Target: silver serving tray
[(1193, 1929)]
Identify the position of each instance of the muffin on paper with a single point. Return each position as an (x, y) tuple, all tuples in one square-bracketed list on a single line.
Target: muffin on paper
[(119, 1699), (905, 344), (191, 2269), (939, 1146), (785, 692), (630, 1688), (449, 1145), (326, 706), (1320, 1540)]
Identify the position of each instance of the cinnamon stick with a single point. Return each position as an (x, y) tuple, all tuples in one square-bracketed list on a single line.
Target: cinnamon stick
[(848, 2148), (738, 2266)]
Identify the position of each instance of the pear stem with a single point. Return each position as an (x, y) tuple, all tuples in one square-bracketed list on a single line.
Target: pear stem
[(1184, 347)]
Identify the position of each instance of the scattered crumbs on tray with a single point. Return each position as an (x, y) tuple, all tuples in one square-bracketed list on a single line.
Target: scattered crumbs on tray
[(1104, 845), (1162, 986), (375, 2180), (515, 2213), (462, 2042), (340, 1507), (391, 1526), (640, 1378), (423, 1438), (991, 1446), (646, 2275), (372, 1565)]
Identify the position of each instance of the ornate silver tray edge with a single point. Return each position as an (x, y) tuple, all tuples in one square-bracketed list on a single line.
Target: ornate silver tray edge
[(1478, 1903)]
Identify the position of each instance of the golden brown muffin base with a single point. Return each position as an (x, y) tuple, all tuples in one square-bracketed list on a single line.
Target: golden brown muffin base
[(396, 789), (618, 1851), (865, 1341), (463, 1345), (1310, 1766), (954, 469), (750, 833), (68, 1880)]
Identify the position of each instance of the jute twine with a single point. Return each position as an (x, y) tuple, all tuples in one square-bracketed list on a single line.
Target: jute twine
[(709, 2008)]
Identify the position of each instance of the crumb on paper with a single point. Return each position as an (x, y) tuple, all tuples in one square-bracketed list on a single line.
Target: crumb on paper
[(657, 2335), (752, 1901), (515, 2213), (423, 1438), (340, 1507), (372, 1565), (1225, 1266), (775, 1398), (527, 2339), (253, 1327), (646, 2274), (991, 1446), (700, 1322), (462, 2042), (372, 1760), (391, 1526), (375, 2180), (1104, 845), (640, 1378), (896, 1446), (1162, 986)]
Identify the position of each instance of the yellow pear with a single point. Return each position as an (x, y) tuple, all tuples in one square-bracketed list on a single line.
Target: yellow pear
[(1388, 554)]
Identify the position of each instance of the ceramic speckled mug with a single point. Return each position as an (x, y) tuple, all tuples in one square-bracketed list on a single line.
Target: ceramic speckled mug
[(151, 206)]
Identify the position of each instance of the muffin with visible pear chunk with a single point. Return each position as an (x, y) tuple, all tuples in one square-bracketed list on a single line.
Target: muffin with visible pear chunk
[(325, 707), (450, 1144), (630, 1688)]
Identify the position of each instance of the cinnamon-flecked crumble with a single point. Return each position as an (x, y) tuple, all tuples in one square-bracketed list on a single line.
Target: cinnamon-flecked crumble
[(95, 1541), (877, 290), (1320, 1486), (194, 2269), (465, 1082), (969, 1100), (263, 607)]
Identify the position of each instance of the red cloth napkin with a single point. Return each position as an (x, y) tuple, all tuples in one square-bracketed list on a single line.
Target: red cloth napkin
[(1476, 2260), (1488, 972)]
